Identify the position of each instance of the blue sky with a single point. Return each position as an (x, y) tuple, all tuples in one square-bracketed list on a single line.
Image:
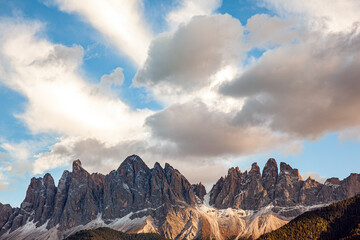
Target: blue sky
[(203, 85)]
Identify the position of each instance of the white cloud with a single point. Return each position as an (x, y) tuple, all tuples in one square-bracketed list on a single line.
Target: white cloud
[(314, 175), (115, 78), (306, 89), (266, 31), (3, 181), (350, 134), (329, 15), (14, 160), (17, 151), (195, 130), (59, 100), (187, 60), (190, 8), (121, 22)]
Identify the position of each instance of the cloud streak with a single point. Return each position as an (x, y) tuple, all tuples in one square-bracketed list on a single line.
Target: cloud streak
[(121, 22), (187, 9), (59, 100), (327, 15)]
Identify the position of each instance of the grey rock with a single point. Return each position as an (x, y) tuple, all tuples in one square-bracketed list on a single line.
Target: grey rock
[(83, 202), (269, 177), (5, 212), (199, 191), (286, 188)]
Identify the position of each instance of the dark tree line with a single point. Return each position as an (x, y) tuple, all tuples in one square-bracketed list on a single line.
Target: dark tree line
[(110, 234), (340, 220)]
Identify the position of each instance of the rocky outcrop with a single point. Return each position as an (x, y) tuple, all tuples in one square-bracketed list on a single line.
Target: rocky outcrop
[(135, 187), (288, 186), (38, 204), (83, 201), (199, 191), (82, 197), (285, 189), (269, 177), (6, 212)]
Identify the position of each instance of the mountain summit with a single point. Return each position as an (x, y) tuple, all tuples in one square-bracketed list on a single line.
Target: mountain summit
[(135, 198)]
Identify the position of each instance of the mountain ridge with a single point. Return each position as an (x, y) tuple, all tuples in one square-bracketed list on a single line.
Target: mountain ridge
[(339, 220), (135, 198)]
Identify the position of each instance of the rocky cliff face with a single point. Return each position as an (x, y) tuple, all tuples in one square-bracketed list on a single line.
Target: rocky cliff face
[(135, 198), (82, 197), (252, 191)]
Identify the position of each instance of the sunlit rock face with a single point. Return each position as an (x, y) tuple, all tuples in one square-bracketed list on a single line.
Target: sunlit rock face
[(135, 198)]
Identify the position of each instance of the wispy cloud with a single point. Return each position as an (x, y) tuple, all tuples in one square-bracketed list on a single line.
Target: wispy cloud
[(121, 22), (190, 8), (327, 15), (59, 100)]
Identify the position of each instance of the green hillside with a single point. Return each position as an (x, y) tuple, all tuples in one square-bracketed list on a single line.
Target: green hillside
[(110, 234), (340, 220)]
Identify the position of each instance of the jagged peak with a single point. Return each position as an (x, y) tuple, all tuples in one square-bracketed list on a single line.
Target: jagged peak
[(34, 179), (310, 180), (255, 170), (48, 177), (170, 169), (133, 161), (286, 169), (271, 163), (198, 185), (65, 174), (255, 167), (157, 166), (333, 181), (199, 190), (168, 166), (353, 175), (233, 170), (270, 169), (76, 166), (1, 204)]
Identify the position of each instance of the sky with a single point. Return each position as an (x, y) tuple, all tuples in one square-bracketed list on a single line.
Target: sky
[(201, 84)]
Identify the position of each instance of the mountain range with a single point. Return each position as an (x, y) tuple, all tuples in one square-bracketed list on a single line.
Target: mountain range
[(137, 199)]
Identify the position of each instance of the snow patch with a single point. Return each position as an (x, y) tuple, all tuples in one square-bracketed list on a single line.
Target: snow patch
[(125, 224)]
